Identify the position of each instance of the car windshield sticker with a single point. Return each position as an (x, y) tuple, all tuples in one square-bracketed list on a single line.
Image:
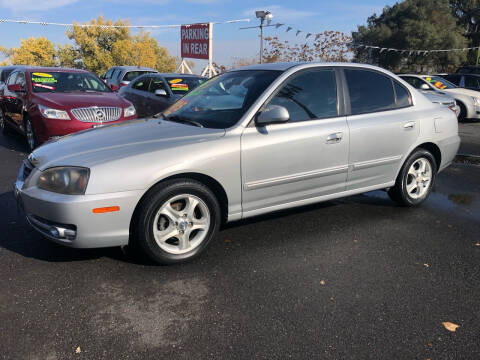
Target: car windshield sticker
[(175, 81), (42, 74), (180, 87), (43, 78), (437, 84), (44, 86)]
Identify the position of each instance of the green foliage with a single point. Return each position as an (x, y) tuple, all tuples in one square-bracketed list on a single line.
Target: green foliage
[(412, 24), (32, 51)]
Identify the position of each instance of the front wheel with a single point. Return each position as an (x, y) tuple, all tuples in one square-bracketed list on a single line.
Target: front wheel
[(30, 134), (176, 221), (416, 179)]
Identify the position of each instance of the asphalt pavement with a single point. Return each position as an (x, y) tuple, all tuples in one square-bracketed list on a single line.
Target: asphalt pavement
[(356, 278)]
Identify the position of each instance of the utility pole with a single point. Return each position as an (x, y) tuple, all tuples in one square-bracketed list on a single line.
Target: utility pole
[(262, 15)]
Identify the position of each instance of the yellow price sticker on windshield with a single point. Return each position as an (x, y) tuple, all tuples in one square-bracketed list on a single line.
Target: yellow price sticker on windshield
[(42, 74), (175, 81)]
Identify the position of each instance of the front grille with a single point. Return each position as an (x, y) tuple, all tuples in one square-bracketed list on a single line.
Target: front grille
[(97, 114), (27, 169)]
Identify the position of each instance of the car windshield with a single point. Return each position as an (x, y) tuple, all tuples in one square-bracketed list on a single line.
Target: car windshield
[(220, 102), (439, 83), (63, 81), (183, 85)]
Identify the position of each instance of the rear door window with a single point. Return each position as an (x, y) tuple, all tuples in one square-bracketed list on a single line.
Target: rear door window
[(142, 84), (183, 85), (369, 91)]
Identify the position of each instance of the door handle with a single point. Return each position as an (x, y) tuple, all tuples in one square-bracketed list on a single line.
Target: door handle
[(409, 125), (334, 138)]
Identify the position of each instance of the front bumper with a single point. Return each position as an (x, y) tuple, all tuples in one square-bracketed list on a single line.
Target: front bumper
[(73, 218)]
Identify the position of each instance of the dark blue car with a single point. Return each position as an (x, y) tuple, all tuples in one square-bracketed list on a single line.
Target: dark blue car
[(153, 93)]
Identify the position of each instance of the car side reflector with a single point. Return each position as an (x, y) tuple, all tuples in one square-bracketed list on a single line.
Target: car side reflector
[(106, 209)]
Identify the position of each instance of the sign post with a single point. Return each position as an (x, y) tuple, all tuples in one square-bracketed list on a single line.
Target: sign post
[(196, 43)]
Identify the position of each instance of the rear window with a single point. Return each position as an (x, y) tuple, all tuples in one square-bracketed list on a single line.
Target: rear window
[(66, 82), (182, 85), (369, 91), (131, 75)]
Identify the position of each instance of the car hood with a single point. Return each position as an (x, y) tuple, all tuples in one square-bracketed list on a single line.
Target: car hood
[(461, 91), (66, 101), (120, 140)]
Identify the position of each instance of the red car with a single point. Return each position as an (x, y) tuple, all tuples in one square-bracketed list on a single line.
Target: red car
[(45, 103)]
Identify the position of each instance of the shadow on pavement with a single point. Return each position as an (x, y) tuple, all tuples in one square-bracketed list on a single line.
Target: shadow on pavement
[(15, 142)]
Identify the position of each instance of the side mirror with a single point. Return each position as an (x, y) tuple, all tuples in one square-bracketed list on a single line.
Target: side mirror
[(15, 87), (272, 114), (425, 87), (160, 92)]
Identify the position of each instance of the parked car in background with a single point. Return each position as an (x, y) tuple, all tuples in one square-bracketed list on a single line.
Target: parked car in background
[(469, 69), (467, 100), (153, 93), (247, 142), (119, 76), (45, 103), (467, 81)]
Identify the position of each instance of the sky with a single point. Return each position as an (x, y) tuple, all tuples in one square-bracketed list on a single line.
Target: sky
[(229, 42)]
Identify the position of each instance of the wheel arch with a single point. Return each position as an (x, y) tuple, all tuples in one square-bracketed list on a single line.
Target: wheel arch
[(206, 180), (434, 150)]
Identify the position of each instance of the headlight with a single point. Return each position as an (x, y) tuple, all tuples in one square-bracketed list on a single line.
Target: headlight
[(53, 113), (129, 111), (64, 180), (476, 100)]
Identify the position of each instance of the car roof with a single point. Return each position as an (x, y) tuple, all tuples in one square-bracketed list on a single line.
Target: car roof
[(180, 75), (283, 66), (48, 69), (132, 68)]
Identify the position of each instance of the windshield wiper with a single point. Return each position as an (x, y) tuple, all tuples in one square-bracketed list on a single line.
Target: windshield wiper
[(182, 120)]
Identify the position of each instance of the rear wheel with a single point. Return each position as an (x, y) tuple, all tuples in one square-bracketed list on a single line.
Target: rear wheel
[(30, 134), (416, 179), (176, 221)]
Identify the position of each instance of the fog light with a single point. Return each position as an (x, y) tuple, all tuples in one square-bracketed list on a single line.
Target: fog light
[(54, 232)]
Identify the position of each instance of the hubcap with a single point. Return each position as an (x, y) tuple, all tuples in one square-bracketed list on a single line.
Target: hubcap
[(419, 178), (29, 131), (181, 224)]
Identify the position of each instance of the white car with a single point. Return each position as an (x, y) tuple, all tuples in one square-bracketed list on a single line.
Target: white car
[(467, 100)]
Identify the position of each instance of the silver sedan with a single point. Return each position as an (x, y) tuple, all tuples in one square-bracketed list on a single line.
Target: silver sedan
[(251, 141)]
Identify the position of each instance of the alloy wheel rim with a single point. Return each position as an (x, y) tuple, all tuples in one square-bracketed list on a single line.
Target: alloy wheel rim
[(419, 178), (181, 224), (29, 131)]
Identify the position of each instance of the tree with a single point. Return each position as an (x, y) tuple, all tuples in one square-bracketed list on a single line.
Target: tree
[(467, 13), (412, 24), (32, 51), (326, 46), (98, 48)]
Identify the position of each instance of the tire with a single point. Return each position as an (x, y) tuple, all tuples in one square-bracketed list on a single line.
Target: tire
[(30, 134), (3, 124), (413, 186), (182, 231), (463, 112)]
